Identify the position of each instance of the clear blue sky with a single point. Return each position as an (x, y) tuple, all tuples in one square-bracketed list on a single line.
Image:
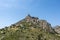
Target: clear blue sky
[(11, 11)]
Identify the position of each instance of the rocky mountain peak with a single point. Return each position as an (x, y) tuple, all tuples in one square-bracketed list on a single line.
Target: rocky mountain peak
[(29, 18), (35, 22)]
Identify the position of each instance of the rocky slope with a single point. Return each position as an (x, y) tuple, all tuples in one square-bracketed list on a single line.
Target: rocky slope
[(29, 28)]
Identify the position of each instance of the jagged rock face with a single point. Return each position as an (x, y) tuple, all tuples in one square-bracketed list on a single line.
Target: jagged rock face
[(57, 29), (45, 25), (31, 19)]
